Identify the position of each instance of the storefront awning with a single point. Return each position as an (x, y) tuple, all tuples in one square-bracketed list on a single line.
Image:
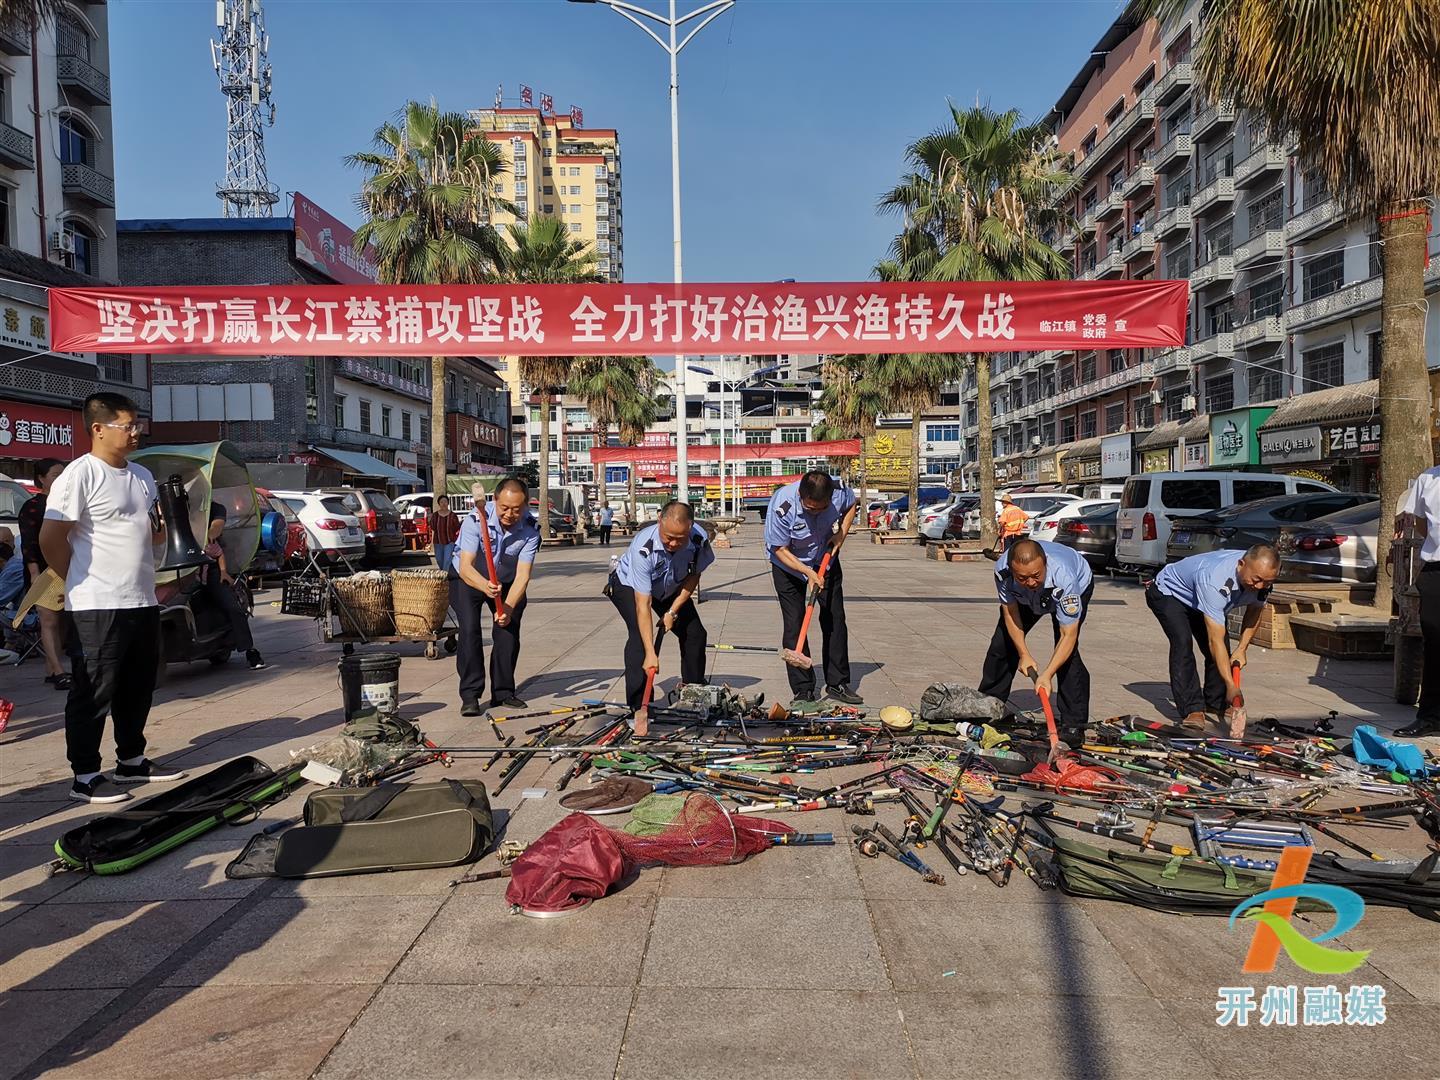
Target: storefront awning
[(1081, 448), (1358, 401), (1172, 431), (362, 464)]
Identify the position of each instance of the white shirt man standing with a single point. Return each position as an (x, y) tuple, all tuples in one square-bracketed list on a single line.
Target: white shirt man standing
[(98, 536), (1421, 508)]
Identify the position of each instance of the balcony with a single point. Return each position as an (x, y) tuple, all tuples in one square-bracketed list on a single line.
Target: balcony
[(1113, 265), (1142, 178), (1176, 358), (1114, 203), (80, 76), (1260, 165), (1142, 243), (1173, 220), (1179, 148), (1313, 221), (1341, 304), (14, 41), (1213, 115), (1265, 330), (1221, 268), (1214, 347), (1218, 191), (16, 148), (1269, 244), (1086, 225), (1173, 83), (87, 183)]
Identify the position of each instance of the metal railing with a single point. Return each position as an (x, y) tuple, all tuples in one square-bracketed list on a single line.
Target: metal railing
[(1267, 245), (1221, 268), (1268, 156), (79, 74), (1342, 302), (1313, 220), (1142, 177), (1221, 111), (1266, 329), (1177, 217), (1173, 82), (16, 147), (1175, 358), (1221, 189), (87, 182), (1177, 146)]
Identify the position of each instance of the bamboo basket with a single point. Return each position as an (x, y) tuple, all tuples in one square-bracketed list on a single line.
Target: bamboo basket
[(420, 598), (366, 609)]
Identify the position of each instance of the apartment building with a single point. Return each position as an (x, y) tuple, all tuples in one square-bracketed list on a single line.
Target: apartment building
[(1284, 329)]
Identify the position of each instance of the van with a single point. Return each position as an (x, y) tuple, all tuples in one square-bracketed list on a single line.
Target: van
[(1142, 526)]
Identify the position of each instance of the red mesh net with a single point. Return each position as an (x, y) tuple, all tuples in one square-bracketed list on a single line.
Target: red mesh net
[(704, 833)]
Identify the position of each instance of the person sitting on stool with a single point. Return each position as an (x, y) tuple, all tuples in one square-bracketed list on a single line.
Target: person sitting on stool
[(1032, 579), (1191, 599), (220, 587), (514, 541), (661, 569)]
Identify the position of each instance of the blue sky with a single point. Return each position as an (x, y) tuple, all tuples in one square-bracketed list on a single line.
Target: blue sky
[(794, 113)]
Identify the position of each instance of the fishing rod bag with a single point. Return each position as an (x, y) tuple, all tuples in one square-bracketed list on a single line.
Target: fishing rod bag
[(372, 830), (233, 794)]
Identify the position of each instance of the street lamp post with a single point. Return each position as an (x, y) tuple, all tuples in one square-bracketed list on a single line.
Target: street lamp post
[(735, 385), (707, 13)]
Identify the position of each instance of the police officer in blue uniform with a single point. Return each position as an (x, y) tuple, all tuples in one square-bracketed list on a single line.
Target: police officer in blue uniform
[(660, 572), (1191, 599), (804, 521), (1033, 579), (514, 542)]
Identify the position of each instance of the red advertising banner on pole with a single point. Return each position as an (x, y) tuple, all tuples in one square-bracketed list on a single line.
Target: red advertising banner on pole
[(328, 244), (628, 319)]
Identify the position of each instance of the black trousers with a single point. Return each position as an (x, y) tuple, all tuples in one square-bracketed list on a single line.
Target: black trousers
[(1183, 625), (112, 670), (224, 597), (1072, 702), (835, 646), (689, 632), (605, 534), (1429, 585), (473, 609)]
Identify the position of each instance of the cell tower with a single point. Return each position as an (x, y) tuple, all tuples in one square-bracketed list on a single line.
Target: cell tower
[(241, 59)]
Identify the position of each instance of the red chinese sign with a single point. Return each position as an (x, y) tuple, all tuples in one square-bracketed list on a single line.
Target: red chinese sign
[(37, 431), (328, 244), (636, 320)]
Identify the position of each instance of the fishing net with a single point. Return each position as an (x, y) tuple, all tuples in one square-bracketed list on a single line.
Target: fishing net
[(701, 833), (928, 767), (654, 814)]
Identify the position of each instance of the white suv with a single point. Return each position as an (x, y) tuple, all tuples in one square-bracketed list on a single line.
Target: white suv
[(332, 529)]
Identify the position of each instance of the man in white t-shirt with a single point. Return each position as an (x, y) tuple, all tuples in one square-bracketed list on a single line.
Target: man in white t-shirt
[(98, 536)]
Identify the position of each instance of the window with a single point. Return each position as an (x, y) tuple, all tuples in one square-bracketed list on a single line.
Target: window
[(574, 208), (1375, 345), (118, 368), (1115, 179), (1190, 494), (1220, 317), (71, 38), (794, 435), (1219, 162), (1219, 393), (1218, 241), (1314, 188), (574, 189), (4, 215), (1114, 418), (339, 410), (1087, 259), (1265, 212), (1376, 264), (1135, 493), (1267, 297), (1323, 274), (312, 390), (1175, 406), (86, 255), (1117, 360), (1116, 111), (578, 418), (1249, 490), (942, 433), (1265, 379), (1067, 430), (546, 171), (549, 189), (1324, 366), (1177, 123), (1087, 425), (405, 426), (1087, 145), (574, 226), (1067, 378), (385, 420), (549, 208), (757, 468), (364, 415), (74, 143), (534, 444), (1087, 369), (972, 415), (601, 172), (579, 444), (1144, 414), (1178, 191), (755, 438), (1177, 264)]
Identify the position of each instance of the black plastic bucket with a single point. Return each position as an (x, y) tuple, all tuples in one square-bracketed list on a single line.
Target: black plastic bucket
[(370, 681)]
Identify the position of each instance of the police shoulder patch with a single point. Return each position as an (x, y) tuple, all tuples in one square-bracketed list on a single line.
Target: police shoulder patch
[(1070, 605)]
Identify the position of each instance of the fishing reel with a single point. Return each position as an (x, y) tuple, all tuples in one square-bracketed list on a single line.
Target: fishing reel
[(1114, 820)]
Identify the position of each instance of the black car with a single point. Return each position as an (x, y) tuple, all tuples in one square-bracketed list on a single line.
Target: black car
[(1092, 535), (1257, 522), (379, 517)]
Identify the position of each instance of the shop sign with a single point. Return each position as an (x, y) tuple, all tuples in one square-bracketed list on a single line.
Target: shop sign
[(1197, 455), (37, 431), (406, 460), (1356, 438), (1081, 469), (353, 368), (1232, 438), (1155, 460), (1293, 444), (1047, 469), (1030, 469), (1116, 455), (887, 458)]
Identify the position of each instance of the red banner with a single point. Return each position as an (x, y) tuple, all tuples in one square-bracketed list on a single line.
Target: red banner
[(328, 244), (769, 451), (638, 319), (39, 431)]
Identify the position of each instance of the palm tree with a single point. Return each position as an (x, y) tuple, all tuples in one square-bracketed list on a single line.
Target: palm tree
[(1358, 86), (912, 383), (977, 201), (30, 15), (618, 391), (850, 404), (427, 201), (542, 252)]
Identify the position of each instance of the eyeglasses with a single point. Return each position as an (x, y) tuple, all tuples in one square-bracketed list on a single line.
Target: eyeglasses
[(129, 429)]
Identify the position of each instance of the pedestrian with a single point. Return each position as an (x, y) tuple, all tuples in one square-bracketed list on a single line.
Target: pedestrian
[(514, 541), (32, 515), (1011, 521), (1034, 578), (98, 536), (1192, 599), (1420, 510), (806, 519), (607, 523), (444, 531), (661, 570), (220, 587)]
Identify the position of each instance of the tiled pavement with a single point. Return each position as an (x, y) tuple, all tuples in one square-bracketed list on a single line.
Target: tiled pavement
[(798, 963)]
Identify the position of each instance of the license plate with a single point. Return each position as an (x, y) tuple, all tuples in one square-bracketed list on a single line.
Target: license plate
[(352, 531), (392, 527), (1182, 536), (1127, 531)]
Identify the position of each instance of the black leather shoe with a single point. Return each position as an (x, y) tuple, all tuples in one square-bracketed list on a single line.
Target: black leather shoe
[(844, 694), (470, 708), (1419, 729), (511, 702), (1072, 737)]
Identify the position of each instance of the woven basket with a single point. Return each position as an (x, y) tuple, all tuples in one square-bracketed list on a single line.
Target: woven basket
[(366, 609), (421, 598)]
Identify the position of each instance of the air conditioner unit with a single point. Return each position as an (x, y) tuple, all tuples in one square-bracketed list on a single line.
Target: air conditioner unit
[(1034, 440), (1189, 403), (62, 243)]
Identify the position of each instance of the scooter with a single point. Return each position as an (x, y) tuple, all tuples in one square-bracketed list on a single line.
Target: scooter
[(193, 625)]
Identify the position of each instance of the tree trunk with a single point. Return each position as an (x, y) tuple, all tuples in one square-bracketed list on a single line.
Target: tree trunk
[(1405, 447), (986, 454), (630, 484), (437, 427), (913, 525), (544, 470)]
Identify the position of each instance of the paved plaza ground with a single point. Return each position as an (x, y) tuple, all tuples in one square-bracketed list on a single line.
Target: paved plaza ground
[(801, 962)]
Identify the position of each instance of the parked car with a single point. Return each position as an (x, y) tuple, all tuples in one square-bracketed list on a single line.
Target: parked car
[(1257, 522), (378, 517), (1045, 526), (1092, 534), (937, 526), (1151, 499), (332, 530), (13, 495), (1034, 503), (1342, 548), (266, 562)]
